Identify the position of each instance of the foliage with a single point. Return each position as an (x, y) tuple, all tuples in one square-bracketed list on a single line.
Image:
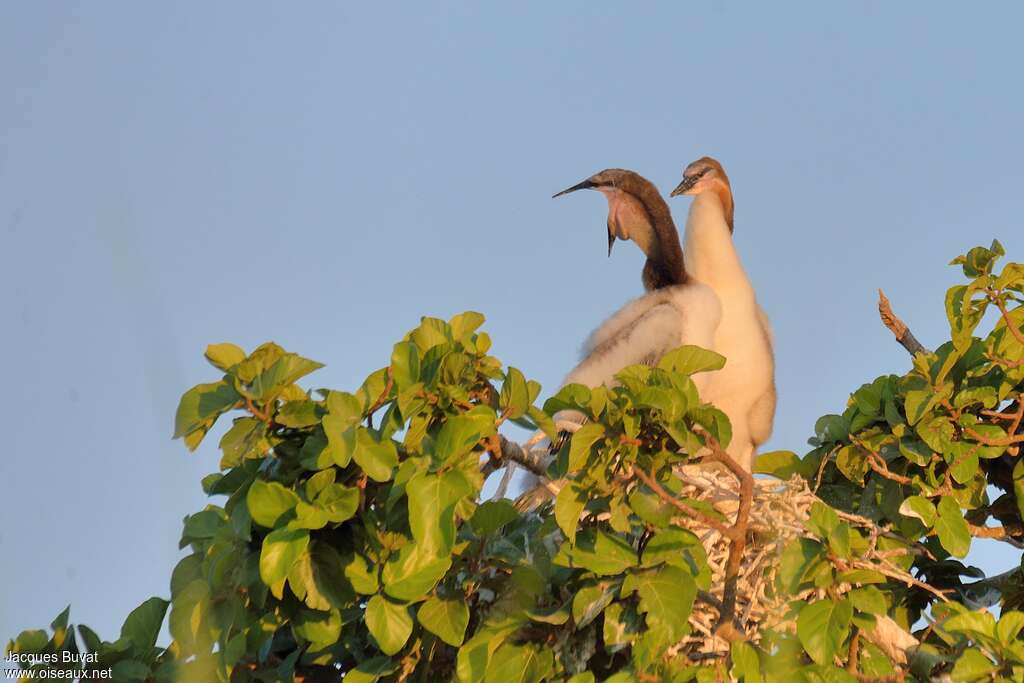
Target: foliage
[(352, 537)]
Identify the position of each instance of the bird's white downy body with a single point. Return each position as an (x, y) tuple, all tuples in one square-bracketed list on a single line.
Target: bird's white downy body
[(745, 388), (646, 328)]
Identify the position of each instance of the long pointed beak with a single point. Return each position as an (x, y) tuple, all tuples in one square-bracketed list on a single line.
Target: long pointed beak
[(611, 242), (683, 187), (585, 185)]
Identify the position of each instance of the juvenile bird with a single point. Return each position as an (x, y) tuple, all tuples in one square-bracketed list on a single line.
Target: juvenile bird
[(685, 303)]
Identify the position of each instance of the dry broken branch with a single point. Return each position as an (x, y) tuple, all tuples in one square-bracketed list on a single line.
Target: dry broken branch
[(899, 328)]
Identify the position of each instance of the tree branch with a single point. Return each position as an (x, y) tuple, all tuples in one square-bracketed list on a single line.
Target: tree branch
[(737, 540), (502, 450), (680, 505), (899, 328)]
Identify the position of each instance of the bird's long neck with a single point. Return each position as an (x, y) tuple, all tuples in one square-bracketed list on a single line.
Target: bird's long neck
[(710, 252), (665, 266)]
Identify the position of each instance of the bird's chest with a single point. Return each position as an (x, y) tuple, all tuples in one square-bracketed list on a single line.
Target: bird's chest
[(749, 369)]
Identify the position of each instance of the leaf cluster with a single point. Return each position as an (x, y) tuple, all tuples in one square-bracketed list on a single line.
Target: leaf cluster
[(349, 534)]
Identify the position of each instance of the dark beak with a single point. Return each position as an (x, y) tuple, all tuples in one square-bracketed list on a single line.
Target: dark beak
[(585, 185), (683, 187), (611, 241)]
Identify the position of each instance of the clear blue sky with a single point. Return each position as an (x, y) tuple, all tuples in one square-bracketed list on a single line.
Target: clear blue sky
[(322, 174)]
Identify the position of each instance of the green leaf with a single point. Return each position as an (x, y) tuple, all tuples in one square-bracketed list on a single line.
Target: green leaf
[(690, 360), (285, 370), (1018, 485), (129, 670), (370, 670), (318, 578), (413, 572), (1009, 626), (915, 451), (344, 409), (492, 515), (201, 404), (247, 438), (431, 332), (389, 623), (320, 629), (446, 619), (798, 558), (920, 508), (142, 627), (964, 467), (377, 458), (334, 504), (543, 422), (432, 501), (405, 364), (360, 574), (666, 597), (603, 553), (515, 397), (585, 677), (580, 444), (781, 464), (190, 612), (461, 434), (952, 528), (591, 599), (465, 323), (937, 432), (203, 524), (622, 625), (868, 599), (745, 664), (568, 506), (281, 549), (298, 414), (919, 402), (823, 520), (822, 628), (475, 655), (714, 421), (972, 665), (269, 501), (519, 664), (224, 356), (852, 461), (830, 428), (675, 546)]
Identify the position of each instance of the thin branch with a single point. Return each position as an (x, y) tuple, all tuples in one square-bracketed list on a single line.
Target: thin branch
[(999, 533), (501, 449), (680, 505), (899, 328), (737, 540), (854, 653), (998, 301), (384, 394)]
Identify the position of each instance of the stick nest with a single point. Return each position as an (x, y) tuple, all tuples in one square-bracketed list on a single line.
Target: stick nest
[(778, 515)]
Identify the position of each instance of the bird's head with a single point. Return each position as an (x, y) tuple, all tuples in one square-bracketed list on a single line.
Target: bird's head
[(633, 204), (703, 175), (706, 175)]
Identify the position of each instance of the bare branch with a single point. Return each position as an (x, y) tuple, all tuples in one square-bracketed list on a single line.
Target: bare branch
[(899, 328), (501, 449)]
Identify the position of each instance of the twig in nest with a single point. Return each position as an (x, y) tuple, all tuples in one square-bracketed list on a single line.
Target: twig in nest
[(899, 328)]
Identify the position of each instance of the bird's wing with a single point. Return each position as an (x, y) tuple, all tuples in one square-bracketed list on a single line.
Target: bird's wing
[(622, 318), (689, 316)]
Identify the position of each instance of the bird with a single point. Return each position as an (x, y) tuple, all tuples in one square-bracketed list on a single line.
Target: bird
[(685, 302), (745, 388)]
